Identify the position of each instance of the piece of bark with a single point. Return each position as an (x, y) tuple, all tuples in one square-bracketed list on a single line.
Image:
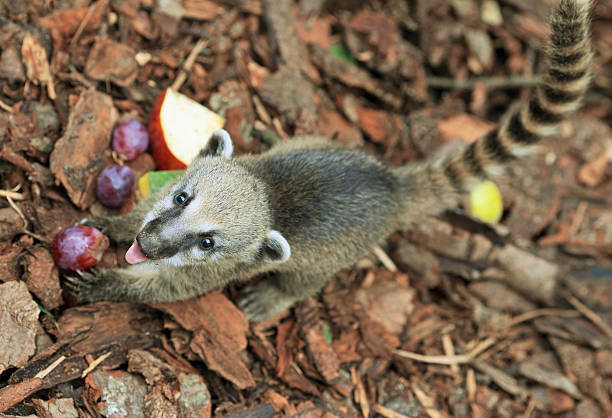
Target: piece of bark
[(579, 362), (43, 278), (109, 60), (116, 393), (170, 390), (529, 273), (33, 120), (353, 76), (603, 359), (331, 124), (11, 67), (499, 296), (202, 9), (55, 408), (387, 304), (78, 155), (380, 125), (538, 372), (219, 334), (260, 411), (18, 319), (36, 62), (319, 349), (293, 96), (10, 224), (283, 34), (103, 324), (13, 394), (195, 399), (63, 23), (552, 400), (467, 127)]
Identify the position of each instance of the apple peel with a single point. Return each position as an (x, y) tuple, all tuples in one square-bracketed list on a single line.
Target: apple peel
[(179, 128)]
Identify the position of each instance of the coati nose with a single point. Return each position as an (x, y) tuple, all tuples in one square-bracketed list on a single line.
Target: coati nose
[(147, 246)]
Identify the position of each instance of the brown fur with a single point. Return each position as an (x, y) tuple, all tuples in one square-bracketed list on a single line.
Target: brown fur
[(315, 203)]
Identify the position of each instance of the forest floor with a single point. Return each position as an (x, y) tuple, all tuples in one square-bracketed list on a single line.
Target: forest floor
[(453, 318)]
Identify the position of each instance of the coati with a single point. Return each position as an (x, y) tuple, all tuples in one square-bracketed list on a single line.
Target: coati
[(308, 208)]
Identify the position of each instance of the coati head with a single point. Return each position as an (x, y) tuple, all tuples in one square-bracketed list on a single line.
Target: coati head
[(215, 214)]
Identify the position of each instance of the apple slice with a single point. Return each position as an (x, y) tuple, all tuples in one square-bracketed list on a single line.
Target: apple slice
[(153, 181), (178, 129)]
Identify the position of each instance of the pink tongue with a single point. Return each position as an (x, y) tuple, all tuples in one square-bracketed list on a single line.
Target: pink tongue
[(134, 254)]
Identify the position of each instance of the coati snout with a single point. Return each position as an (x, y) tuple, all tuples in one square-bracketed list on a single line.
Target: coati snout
[(308, 207)]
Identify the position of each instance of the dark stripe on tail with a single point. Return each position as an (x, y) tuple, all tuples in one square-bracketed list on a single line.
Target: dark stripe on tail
[(556, 96), (566, 76), (518, 132), (541, 115), (473, 163), (453, 174), (494, 148), (563, 59)]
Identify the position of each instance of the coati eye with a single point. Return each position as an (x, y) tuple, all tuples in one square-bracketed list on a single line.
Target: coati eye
[(207, 243), (180, 198)]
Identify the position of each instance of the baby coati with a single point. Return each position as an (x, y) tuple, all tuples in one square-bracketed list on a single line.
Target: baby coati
[(308, 208)]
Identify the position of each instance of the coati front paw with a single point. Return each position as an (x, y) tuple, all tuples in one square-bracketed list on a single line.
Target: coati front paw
[(264, 300), (88, 286), (98, 222)]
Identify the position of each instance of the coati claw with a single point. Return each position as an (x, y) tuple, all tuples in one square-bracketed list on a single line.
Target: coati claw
[(84, 287)]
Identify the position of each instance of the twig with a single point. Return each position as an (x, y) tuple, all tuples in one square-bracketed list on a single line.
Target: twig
[(510, 82), (448, 360), (36, 236), (82, 25), (360, 393), (95, 364), (388, 412), (13, 195), (449, 350), (384, 259), (6, 107), (530, 408), (578, 219), (76, 77), (19, 212), (43, 373), (426, 402), (592, 316), (186, 67), (528, 316)]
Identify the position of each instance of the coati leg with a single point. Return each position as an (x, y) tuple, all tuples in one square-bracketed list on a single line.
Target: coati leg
[(278, 292), (137, 283), (121, 229)]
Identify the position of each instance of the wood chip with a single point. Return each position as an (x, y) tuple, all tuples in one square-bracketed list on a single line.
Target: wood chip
[(37, 64), (18, 318)]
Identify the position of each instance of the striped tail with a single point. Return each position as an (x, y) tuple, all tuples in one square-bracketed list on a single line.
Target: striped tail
[(440, 182)]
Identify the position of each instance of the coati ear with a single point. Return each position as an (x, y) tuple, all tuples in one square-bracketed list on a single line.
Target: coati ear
[(275, 249), (219, 145)]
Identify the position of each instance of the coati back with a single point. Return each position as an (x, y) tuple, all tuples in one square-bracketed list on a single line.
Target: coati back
[(309, 208)]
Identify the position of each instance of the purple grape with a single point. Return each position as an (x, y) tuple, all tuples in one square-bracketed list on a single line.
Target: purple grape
[(78, 247), (130, 139), (115, 185)]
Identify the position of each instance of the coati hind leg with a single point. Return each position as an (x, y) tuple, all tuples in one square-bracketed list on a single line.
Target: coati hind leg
[(279, 292)]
